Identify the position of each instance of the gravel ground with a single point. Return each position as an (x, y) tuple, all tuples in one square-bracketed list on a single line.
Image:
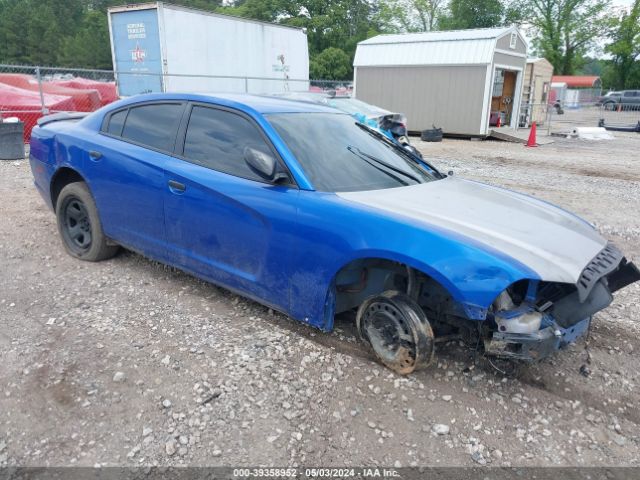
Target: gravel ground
[(128, 362)]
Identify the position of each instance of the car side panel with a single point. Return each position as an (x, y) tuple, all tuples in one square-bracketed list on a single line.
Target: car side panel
[(42, 160), (127, 183), (233, 231), (331, 233)]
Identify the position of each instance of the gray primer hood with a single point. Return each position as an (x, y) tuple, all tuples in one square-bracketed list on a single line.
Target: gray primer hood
[(553, 243)]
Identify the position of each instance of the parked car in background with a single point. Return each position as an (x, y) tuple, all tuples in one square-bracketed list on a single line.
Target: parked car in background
[(393, 125), (303, 209), (623, 100)]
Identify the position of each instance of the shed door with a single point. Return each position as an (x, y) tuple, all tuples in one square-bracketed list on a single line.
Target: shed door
[(504, 87)]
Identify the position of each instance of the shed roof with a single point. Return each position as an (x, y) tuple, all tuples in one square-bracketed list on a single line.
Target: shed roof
[(577, 81), (453, 47)]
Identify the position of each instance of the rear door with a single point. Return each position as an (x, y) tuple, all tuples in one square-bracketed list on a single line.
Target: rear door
[(223, 221), (630, 97), (127, 172)]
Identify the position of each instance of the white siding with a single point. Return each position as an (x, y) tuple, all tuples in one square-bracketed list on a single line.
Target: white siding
[(196, 45), (449, 97), (207, 44)]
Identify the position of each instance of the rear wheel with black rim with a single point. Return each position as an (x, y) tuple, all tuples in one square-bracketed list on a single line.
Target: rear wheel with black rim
[(79, 224), (397, 330)]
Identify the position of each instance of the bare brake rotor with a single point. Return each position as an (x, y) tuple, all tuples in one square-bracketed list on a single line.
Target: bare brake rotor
[(397, 331)]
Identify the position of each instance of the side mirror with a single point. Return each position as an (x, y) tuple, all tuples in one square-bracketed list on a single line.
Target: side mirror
[(264, 165)]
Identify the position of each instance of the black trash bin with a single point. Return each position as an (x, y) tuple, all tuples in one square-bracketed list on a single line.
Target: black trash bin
[(11, 144)]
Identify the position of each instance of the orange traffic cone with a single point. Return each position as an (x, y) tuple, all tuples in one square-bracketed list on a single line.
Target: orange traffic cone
[(532, 137), (499, 121)]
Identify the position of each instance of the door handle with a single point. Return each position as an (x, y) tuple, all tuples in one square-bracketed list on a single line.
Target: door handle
[(95, 155), (176, 187)]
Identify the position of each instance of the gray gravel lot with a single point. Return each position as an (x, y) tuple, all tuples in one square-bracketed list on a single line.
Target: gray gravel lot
[(128, 362)]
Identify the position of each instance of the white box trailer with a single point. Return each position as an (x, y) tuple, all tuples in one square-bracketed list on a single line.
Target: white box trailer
[(158, 47)]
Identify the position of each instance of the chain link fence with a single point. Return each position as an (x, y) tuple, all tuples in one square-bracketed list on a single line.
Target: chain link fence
[(29, 92), (620, 116), (562, 119), (534, 112)]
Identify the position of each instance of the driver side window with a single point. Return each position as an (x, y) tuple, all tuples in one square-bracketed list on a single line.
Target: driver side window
[(216, 139)]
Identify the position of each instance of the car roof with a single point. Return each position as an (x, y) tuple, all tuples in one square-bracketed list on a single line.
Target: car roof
[(241, 101)]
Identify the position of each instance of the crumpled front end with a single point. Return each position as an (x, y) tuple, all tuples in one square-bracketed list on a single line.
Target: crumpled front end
[(532, 319)]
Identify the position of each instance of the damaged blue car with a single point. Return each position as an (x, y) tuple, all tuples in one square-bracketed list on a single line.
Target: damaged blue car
[(302, 208)]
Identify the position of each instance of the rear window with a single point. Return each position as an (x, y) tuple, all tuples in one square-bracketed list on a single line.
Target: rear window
[(153, 125), (116, 122)]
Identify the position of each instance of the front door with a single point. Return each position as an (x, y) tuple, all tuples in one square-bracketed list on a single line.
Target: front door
[(223, 221)]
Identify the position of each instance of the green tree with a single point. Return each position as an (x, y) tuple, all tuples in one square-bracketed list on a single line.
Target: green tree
[(331, 64), (31, 31), (409, 15), (265, 10), (465, 14), (90, 45), (564, 31), (625, 47)]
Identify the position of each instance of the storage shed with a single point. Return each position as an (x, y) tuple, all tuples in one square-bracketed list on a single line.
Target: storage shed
[(535, 92), (451, 79), (580, 89)]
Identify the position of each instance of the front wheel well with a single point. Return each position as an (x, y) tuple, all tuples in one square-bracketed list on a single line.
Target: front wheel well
[(63, 177), (364, 277)]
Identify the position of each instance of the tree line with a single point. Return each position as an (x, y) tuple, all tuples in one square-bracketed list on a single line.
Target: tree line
[(576, 36)]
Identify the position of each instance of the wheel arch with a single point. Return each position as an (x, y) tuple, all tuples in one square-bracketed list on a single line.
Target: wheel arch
[(61, 178), (349, 286)]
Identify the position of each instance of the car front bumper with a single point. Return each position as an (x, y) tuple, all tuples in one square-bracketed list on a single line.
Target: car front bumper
[(572, 314), (530, 347)]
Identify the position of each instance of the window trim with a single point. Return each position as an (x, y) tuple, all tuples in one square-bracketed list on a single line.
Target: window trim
[(182, 137), (513, 40), (107, 119)]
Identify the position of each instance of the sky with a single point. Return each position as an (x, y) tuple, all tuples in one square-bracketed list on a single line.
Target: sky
[(622, 3)]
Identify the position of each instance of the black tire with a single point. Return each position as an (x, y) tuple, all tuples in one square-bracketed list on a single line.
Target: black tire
[(431, 135), (397, 331), (79, 224)]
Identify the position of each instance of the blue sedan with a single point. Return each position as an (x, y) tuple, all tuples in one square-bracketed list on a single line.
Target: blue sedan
[(302, 208)]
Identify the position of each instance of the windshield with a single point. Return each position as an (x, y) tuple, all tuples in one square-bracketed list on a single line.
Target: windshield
[(340, 155)]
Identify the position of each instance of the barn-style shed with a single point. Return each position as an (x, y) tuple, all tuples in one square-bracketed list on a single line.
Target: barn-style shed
[(451, 79)]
